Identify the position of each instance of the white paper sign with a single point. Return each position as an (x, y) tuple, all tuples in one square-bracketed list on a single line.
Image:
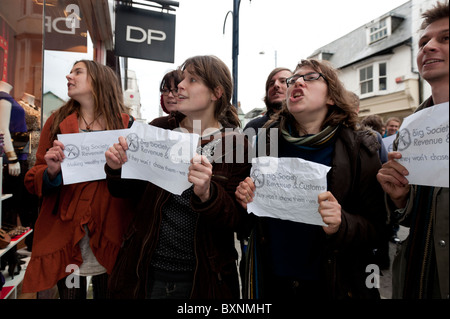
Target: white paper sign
[(287, 188), (424, 145), (160, 156), (85, 155), (389, 142)]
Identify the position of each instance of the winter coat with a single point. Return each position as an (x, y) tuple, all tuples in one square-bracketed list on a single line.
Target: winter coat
[(215, 275), (349, 254), (63, 212)]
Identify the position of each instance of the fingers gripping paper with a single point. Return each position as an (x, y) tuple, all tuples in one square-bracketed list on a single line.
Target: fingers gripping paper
[(160, 156), (423, 140), (287, 188), (155, 155)]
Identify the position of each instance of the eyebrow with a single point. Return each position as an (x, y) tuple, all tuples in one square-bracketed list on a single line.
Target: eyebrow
[(426, 35), (78, 69)]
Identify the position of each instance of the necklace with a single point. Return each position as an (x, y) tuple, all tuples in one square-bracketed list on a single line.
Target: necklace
[(88, 126)]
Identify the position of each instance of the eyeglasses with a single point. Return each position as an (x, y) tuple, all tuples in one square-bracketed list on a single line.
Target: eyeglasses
[(166, 92), (306, 77)]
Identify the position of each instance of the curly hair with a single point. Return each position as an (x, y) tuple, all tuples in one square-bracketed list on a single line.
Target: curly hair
[(342, 112)]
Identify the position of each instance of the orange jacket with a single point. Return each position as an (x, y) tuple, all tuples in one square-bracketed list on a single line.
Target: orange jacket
[(63, 212)]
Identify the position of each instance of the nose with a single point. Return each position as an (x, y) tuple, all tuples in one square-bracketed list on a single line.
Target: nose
[(430, 45), (300, 83)]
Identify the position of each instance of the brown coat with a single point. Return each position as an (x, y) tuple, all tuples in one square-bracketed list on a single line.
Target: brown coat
[(216, 272), (63, 211)]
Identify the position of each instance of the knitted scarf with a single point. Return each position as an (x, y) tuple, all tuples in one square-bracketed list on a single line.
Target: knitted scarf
[(311, 141), (420, 255)]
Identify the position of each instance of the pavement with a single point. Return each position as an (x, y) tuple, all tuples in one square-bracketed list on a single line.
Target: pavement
[(386, 275)]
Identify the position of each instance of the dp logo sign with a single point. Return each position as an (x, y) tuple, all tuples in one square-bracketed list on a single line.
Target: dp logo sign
[(145, 34)]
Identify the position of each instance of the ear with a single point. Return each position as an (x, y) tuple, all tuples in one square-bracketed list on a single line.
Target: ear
[(330, 101), (217, 93)]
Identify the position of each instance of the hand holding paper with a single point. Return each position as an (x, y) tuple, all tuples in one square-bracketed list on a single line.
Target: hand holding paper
[(288, 188), (53, 158), (330, 210), (200, 173), (245, 192), (116, 155), (392, 179)]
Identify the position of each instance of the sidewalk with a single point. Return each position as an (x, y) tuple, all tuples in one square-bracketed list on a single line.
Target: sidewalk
[(386, 278)]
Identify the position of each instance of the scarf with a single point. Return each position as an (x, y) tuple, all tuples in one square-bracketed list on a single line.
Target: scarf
[(310, 141)]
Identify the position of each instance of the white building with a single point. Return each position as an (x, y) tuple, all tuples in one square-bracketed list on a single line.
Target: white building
[(377, 61)]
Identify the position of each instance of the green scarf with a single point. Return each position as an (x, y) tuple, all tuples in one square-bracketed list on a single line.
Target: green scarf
[(313, 141)]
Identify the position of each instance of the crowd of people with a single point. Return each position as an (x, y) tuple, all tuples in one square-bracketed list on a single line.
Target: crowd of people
[(138, 240)]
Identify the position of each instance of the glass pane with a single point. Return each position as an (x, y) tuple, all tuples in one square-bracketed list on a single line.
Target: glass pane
[(370, 86), (369, 72), (362, 75), (383, 84), (382, 71), (363, 88)]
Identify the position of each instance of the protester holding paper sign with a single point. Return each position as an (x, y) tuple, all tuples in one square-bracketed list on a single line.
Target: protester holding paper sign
[(80, 226), (182, 246), (420, 269), (305, 261)]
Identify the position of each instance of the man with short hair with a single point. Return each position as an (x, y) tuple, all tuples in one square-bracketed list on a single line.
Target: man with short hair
[(275, 95), (421, 269), (392, 126)]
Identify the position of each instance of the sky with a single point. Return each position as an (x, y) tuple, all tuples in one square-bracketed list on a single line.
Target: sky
[(285, 30)]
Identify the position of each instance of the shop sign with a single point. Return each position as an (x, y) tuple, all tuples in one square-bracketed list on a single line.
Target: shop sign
[(145, 34), (65, 30)]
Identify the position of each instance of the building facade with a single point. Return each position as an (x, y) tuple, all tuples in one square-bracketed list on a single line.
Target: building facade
[(377, 61)]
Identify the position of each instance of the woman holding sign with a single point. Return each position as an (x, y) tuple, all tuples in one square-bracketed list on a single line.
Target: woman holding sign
[(298, 260), (182, 246), (80, 226)]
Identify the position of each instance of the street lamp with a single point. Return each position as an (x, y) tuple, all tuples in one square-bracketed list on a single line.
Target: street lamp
[(235, 48)]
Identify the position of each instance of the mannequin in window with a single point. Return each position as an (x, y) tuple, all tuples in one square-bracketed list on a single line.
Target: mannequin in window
[(33, 121), (12, 120)]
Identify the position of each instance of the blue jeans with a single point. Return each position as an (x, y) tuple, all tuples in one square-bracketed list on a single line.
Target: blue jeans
[(169, 286)]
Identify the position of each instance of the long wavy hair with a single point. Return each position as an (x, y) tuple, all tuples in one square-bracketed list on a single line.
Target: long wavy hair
[(214, 73), (108, 98), (341, 113)]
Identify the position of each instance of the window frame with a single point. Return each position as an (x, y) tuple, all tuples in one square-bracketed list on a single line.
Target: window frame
[(379, 30), (376, 78)]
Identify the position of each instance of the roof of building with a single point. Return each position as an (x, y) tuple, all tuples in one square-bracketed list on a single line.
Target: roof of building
[(353, 47)]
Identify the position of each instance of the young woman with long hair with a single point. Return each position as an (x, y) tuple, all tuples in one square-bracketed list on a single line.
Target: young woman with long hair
[(80, 226), (182, 246)]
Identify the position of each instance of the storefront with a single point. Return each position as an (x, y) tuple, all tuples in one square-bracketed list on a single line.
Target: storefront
[(40, 40)]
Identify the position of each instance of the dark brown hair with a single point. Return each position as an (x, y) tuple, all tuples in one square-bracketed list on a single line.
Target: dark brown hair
[(215, 74), (269, 79), (375, 122), (438, 11), (342, 112), (166, 83)]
